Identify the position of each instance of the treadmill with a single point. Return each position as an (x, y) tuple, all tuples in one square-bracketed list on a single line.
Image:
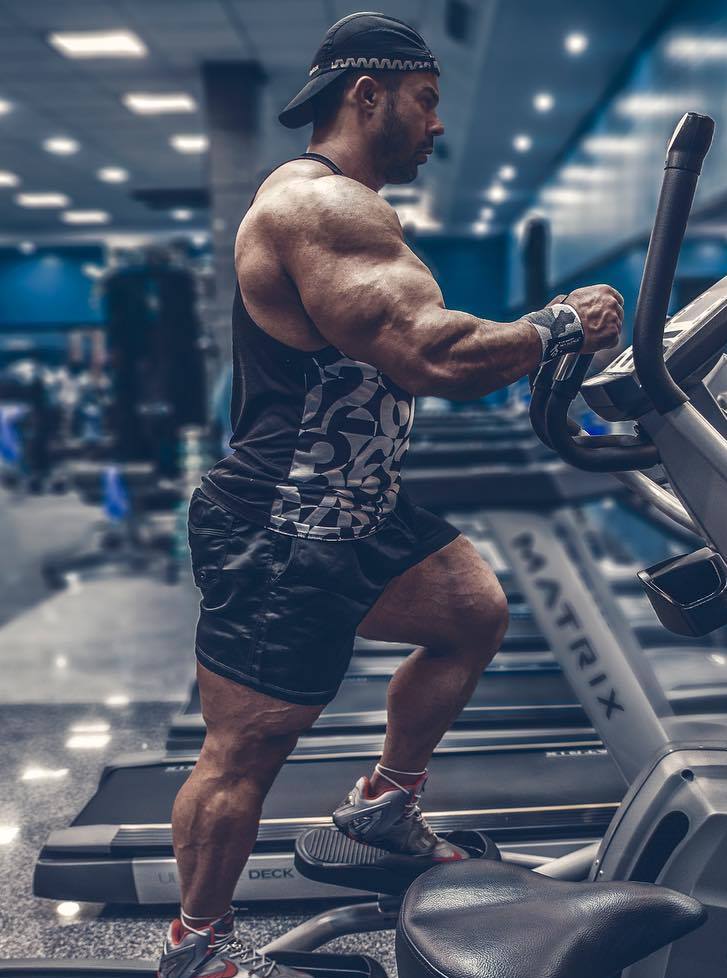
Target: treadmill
[(516, 691), (543, 789), (478, 451), (525, 635), (495, 425)]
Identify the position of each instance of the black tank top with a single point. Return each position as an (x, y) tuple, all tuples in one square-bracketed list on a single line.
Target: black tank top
[(318, 439)]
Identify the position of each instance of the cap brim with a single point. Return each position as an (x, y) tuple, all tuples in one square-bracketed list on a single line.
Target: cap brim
[(299, 111)]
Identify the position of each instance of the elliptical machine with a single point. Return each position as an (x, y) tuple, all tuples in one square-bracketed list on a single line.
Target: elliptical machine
[(487, 918), (635, 905)]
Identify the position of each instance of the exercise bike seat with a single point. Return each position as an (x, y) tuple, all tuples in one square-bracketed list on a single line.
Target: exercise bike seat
[(483, 919)]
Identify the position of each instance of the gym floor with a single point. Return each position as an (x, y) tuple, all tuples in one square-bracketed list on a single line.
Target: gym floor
[(106, 664)]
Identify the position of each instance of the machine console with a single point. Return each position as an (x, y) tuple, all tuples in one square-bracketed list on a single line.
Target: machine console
[(693, 337)]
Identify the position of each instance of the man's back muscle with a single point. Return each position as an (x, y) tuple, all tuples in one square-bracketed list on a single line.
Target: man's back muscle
[(268, 292)]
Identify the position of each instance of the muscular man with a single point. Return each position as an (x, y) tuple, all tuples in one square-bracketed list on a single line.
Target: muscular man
[(303, 537)]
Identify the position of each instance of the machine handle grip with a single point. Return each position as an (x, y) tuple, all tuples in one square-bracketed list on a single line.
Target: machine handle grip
[(686, 151), (554, 389), (540, 388), (690, 143)]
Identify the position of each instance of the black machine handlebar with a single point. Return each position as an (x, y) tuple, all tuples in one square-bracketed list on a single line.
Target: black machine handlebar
[(685, 155), (557, 384)]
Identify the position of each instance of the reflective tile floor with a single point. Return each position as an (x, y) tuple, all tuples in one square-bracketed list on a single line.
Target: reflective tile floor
[(87, 673)]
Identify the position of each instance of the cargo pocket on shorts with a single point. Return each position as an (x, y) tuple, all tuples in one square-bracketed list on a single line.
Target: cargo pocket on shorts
[(209, 531), (285, 548)]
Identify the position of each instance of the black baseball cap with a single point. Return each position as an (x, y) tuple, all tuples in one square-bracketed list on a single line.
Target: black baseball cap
[(364, 40)]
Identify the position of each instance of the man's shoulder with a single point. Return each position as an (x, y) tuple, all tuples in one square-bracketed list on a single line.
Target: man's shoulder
[(329, 204)]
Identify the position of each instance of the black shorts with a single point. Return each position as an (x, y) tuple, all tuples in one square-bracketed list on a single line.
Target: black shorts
[(279, 613)]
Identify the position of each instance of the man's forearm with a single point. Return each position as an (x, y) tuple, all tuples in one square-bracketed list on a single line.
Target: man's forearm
[(473, 357)]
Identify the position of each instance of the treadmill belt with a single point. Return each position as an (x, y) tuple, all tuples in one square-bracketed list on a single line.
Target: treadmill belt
[(507, 690), (460, 781)]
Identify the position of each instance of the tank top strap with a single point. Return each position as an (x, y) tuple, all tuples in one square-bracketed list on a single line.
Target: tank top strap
[(319, 158), (303, 156)]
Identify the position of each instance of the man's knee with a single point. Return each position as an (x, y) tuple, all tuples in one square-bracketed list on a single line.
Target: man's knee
[(240, 755), (496, 613), (249, 758), (480, 623), (249, 733)]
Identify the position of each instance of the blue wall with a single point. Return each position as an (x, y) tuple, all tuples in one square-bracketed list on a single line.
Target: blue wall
[(48, 288), (471, 272)]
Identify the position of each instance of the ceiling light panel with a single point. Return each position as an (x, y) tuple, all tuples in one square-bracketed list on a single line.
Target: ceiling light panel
[(112, 174), (159, 103), (98, 44), (85, 217), (61, 145), (42, 199), (191, 143)]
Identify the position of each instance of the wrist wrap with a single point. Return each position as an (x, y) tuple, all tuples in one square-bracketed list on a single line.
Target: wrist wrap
[(560, 330)]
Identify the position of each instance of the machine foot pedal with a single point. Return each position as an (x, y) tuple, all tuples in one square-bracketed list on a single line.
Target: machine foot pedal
[(328, 856), (322, 965)]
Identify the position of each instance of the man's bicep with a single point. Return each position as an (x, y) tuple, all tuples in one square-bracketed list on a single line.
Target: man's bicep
[(369, 305)]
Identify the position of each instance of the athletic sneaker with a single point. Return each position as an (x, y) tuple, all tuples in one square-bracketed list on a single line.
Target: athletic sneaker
[(213, 952), (392, 820)]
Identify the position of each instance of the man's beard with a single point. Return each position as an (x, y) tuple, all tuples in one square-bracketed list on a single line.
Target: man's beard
[(392, 148)]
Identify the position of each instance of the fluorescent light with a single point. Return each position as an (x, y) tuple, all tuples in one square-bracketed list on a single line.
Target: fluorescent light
[(696, 48), (5, 106), (608, 145), (8, 179), (190, 143), (578, 173), (486, 214), (42, 200), (113, 174), (399, 192), (118, 699), (92, 271), (496, 193), (507, 172), (645, 105), (522, 143), (181, 214), (155, 104), (480, 227), (562, 195), (61, 145), (85, 217), (576, 43), (98, 44), (27, 247), (418, 215), (543, 102), (200, 240)]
